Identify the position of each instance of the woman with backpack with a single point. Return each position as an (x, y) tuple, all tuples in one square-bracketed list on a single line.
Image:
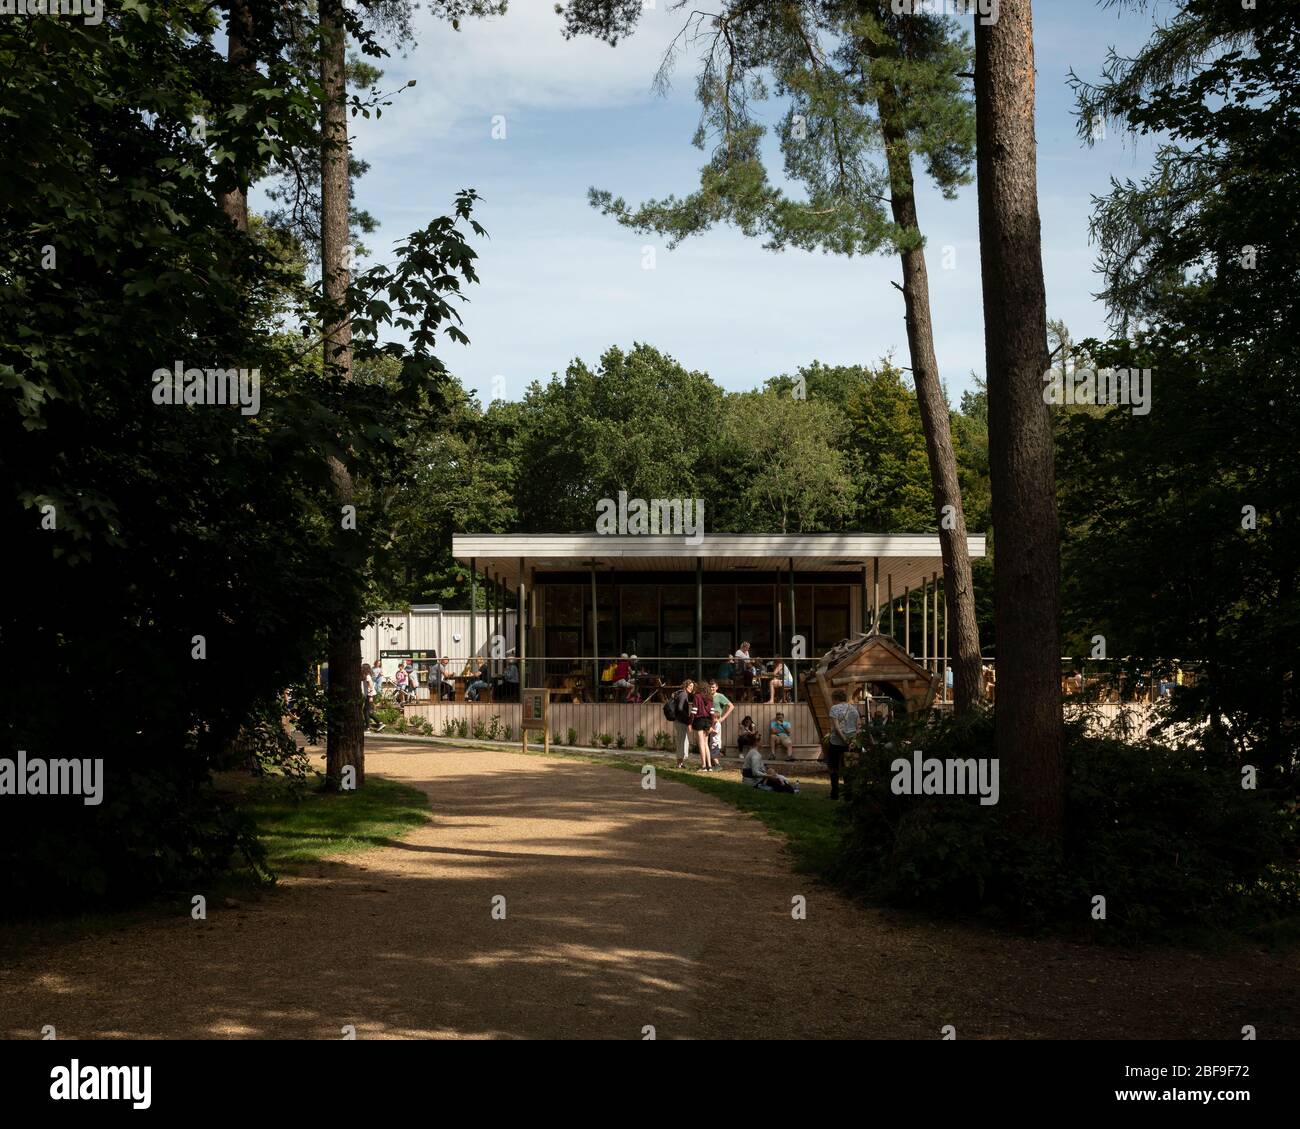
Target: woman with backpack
[(678, 710)]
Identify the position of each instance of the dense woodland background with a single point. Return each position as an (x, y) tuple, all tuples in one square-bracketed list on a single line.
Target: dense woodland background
[(132, 529)]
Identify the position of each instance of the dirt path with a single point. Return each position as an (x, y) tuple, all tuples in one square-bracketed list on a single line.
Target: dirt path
[(624, 908)]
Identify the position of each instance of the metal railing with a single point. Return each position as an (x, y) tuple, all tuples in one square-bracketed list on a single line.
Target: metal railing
[(653, 679)]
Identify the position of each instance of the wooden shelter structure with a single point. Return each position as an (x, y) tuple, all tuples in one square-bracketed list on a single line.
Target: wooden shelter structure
[(855, 665)]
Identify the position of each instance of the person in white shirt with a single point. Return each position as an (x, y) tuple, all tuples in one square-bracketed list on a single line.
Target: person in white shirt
[(845, 720), (744, 668), (368, 697)]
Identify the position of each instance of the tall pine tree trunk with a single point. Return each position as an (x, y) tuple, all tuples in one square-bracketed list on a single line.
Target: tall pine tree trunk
[(958, 587), (346, 740), (233, 198), (1026, 575)]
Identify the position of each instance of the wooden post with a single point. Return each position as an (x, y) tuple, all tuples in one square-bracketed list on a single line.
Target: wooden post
[(907, 618), (875, 596), (521, 629), (925, 623), (492, 620), (699, 620), (945, 647), (935, 588), (794, 620), (473, 607), (595, 638), (889, 586)]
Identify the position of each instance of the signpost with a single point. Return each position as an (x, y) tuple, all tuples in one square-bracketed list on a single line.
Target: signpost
[(536, 714)]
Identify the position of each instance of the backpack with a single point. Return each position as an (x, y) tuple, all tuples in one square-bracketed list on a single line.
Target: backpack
[(677, 708)]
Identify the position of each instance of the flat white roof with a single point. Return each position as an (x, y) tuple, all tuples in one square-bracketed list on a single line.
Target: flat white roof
[(907, 558)]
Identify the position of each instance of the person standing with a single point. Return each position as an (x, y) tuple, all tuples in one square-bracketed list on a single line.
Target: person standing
[(722, 709), (377, 676), (368, 697), (845, 720), (701, 724), (681, 703)]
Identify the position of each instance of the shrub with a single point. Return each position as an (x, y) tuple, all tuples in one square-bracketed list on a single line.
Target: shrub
[(620, 742), (662, 740), (1166, 834), (462, 727), (572, 738), (555, 738), (449, 727), (480, 731), (494, 727), (640, 739)]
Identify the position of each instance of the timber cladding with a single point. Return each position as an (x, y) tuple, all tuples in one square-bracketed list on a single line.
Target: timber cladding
[(617, 718)]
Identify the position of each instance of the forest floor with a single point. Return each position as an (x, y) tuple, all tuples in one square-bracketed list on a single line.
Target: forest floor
[(551, 897)]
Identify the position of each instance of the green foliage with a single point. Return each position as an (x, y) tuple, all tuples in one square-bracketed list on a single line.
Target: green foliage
[(1182, 526), (137, 526), (571, 737), (576, 430), (1167, 835), (833, 63), (783, 473)]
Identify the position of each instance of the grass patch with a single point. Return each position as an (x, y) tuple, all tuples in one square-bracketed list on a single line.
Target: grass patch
[(296, 823), (302, 825)]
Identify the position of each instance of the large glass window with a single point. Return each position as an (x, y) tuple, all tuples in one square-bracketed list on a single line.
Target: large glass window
[(832, 616), (639, 630)]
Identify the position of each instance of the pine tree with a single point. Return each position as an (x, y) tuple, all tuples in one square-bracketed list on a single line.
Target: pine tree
[(869, 90)]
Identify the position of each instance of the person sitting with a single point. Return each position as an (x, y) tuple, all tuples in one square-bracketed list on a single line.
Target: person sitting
[(623, 677), (744, 673), (440, 681), (747, 738), (782, 681), (482, 681), (511, 685), (755, 772), (779, 734)]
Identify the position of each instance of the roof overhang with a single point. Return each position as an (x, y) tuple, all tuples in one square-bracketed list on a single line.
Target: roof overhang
[(905, 558)]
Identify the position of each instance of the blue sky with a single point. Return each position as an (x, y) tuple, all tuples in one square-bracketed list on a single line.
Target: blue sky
[(561, 281)]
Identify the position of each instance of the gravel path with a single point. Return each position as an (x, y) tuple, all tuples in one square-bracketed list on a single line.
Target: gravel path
[(624, 908)]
